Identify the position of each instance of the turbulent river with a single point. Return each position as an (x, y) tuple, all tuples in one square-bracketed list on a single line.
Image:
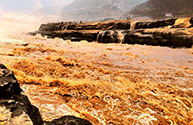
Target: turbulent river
[(103, 83)]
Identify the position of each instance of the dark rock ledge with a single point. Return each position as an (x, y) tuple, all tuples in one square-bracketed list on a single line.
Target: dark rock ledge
[(15, 107), (173, 32)]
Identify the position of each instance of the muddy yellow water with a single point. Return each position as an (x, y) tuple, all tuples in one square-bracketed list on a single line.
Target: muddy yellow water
[(104, 83)]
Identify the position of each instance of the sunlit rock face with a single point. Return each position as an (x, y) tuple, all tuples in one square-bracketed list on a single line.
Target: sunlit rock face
[(183, 23)]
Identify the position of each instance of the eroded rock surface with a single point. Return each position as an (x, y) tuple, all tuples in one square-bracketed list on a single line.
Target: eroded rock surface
[(72, 35), (108, 36), (124, 24), (81, 31), (154, 24), (168, 32), (162, 37), (15, 106)]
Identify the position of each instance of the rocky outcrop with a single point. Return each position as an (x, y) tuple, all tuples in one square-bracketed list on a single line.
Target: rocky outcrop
[(154, 24), (108, 36), (82, 31), (15, 106), (183, 23), (72, 35), (16, 109), (109, 25), (173, 32), (115, 25), (170, 38)]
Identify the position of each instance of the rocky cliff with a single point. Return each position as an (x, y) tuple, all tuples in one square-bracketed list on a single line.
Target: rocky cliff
[(159, 9), (174, 32), (16, 109)]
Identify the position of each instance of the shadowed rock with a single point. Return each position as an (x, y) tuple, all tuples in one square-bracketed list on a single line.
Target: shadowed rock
[(71, 35), (108, 36), (170, 38), (85, 26), (154, 24), (69, 120), (14, 101)]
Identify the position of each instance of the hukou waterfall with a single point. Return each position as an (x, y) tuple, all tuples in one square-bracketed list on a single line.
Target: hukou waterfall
[(84, 62)]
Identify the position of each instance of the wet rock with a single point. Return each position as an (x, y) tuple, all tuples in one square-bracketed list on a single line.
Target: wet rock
[(120, 26), (177, 38), (108, 36), (138, 37), (15, 103), (8, 83), (132, 32), (191, 21), (81, 31), (72, 35), (68, 120), (85, 26), (53, 26), (154, 24)]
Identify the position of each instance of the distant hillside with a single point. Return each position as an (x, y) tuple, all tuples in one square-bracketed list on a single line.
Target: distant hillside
[(92, 10), (127, 5), (158, 9)]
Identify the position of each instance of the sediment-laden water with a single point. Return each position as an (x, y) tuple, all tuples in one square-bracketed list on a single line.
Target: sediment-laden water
[(104, 83)]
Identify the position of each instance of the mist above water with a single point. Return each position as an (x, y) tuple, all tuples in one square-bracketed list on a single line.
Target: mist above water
[(23, 16), (18, 17), (15, 24)]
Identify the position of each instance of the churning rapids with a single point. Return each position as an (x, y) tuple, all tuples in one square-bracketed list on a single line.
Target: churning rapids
[(103, 83)]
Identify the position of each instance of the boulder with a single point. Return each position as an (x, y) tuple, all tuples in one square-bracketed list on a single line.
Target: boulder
[(108, 36)]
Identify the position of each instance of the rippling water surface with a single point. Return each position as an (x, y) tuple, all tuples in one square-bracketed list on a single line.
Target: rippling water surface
[(104, 83)]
